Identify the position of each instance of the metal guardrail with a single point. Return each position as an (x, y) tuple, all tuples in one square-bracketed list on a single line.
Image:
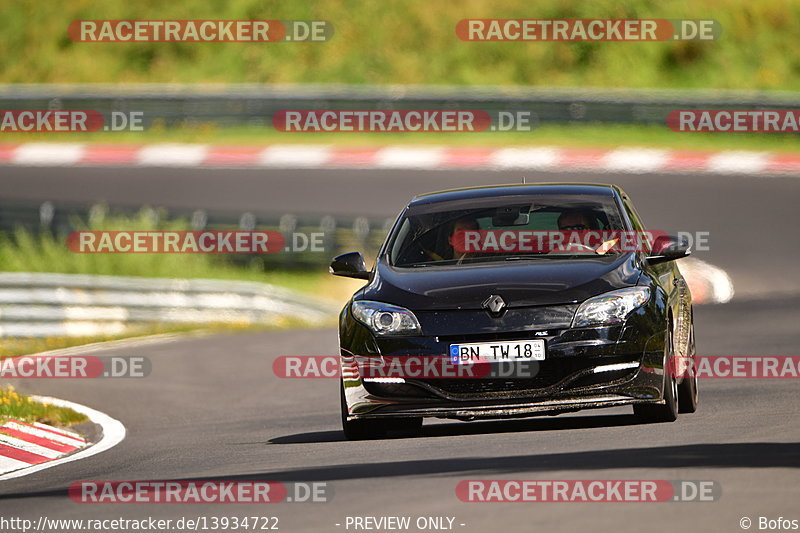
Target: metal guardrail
[(254, 105), (44, 305), (341, 234)]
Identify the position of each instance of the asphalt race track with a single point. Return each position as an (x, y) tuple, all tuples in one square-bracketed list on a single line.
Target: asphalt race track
[(212, 410)]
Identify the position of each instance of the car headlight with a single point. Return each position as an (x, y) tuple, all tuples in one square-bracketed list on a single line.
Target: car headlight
[(386, 319), (610, 308)]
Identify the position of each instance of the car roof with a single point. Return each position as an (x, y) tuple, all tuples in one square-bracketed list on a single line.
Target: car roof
[(490, 191)]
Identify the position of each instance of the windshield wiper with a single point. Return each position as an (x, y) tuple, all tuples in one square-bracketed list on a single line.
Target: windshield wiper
[(538, 256)]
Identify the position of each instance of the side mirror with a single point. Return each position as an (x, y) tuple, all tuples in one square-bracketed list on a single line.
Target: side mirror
[(349, 265), (668, 248)]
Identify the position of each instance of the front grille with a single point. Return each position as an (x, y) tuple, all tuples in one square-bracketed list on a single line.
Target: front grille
[(454, 323), (550, 374), (396, 390)]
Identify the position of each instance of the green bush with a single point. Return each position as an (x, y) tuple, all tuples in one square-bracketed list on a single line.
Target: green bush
[(409, 42)]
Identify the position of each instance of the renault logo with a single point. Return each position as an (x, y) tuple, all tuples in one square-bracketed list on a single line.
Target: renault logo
[(495, 304)]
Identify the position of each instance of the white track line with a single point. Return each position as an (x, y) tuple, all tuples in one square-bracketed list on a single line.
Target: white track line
[(427, 157), (47, 154), (636, 160), (172, 155), (409, 157), (292, 156), (740, 162), (113, 434), (525, 158)]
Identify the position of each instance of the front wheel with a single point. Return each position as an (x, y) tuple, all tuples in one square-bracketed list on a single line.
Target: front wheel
[(668, 411), (377, 428), (687, 390), (359, 429)]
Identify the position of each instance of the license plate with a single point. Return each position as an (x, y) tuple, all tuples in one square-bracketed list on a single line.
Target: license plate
[(497, 352)]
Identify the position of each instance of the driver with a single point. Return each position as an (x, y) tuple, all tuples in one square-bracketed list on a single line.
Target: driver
[(462, 224), (465, 223), (578, 220), (584, 220)]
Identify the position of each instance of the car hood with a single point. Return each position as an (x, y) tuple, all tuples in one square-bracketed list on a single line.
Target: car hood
[(520, 283)]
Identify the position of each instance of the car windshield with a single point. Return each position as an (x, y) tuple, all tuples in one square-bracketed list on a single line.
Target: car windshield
[(511, 228)]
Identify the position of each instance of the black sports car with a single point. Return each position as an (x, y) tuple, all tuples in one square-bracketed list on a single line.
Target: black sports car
[(530, 288)]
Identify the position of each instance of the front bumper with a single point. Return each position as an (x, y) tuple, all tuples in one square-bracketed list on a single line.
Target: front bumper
[(373, 407), (584, 368)]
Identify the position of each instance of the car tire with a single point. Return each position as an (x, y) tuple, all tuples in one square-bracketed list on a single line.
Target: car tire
[(377, 428), (360, 429), (364, 429), (404, 427), (687, 390), (668, 411)]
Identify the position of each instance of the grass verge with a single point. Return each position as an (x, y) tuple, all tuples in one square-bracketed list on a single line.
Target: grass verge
[(24, 251), (22, 407), (408, 42)]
